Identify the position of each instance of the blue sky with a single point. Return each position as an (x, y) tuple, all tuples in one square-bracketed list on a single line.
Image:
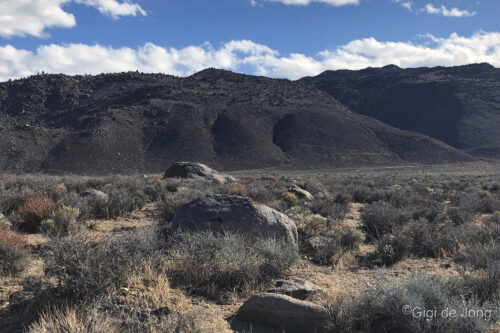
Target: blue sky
[(279, 38)]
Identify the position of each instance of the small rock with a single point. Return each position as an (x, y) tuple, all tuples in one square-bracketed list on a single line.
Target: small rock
[(95, 194), (300, 193), (4, 222), (285, 312), (299, 289), (314, 244), (193, 170)]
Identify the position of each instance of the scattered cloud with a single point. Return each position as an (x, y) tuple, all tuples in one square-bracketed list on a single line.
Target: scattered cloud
[(443, 11), (336, 3), (253, 57), (406, 4), (33, 17), (113, 8)]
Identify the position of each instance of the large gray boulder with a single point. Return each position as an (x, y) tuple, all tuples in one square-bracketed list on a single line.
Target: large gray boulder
[(193, 170), (285, 312), (235, 214)]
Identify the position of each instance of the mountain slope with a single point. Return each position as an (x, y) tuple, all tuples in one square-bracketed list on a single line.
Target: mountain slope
[(457, 105), (133, 122)]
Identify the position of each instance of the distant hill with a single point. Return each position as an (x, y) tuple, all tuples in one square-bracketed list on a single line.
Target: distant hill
[(457, 105), (132, 122)]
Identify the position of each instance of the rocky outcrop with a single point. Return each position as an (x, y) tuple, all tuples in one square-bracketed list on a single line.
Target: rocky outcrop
[(285, 312), (235, 214), (192, 170)]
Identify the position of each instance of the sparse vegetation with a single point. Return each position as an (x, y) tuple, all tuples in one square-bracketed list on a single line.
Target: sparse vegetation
[(105, 271), (227, 262)]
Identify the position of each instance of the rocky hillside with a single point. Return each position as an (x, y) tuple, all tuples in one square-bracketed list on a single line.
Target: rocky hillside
[(457, 105), (134, 122)]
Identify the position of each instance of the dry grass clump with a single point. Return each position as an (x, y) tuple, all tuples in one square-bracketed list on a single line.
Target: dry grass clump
[(218, 263), (13, 253), (384, 308), (74, 320), (84, 269), (34, 210)]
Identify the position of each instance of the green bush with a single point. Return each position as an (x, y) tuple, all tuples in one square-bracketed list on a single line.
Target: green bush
[(290, 199), (61, 222)]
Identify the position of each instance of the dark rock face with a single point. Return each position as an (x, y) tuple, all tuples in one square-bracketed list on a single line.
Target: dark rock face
[(138, 123), (285, 312), (457, 105), (235, 214), (193, 170)]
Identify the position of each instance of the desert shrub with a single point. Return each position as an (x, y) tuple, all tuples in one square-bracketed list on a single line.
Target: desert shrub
[(458, 216), (263, 192), (34, 210), (476, 204), (227, 262), (342, 198), (61, 222), (75, 320), (392, 248), (84, 269), (379, 219), (290, 199), (366, 195), (494, 219), (381, 309), (13, 254), (421, 239), (336, 246), (308, 224), (482, 284), (480, 255), (329, 207)]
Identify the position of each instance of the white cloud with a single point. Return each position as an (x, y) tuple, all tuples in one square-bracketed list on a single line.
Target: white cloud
[(406, 4), (336, 3), (249, 56), (454, 12), (113, 8), (32, 17)]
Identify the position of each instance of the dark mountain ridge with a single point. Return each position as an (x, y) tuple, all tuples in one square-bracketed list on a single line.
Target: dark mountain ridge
[(133, 122), (457, 105)]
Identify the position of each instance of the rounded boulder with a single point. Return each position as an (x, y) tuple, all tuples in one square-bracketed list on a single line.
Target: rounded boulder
[(235, 214)]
